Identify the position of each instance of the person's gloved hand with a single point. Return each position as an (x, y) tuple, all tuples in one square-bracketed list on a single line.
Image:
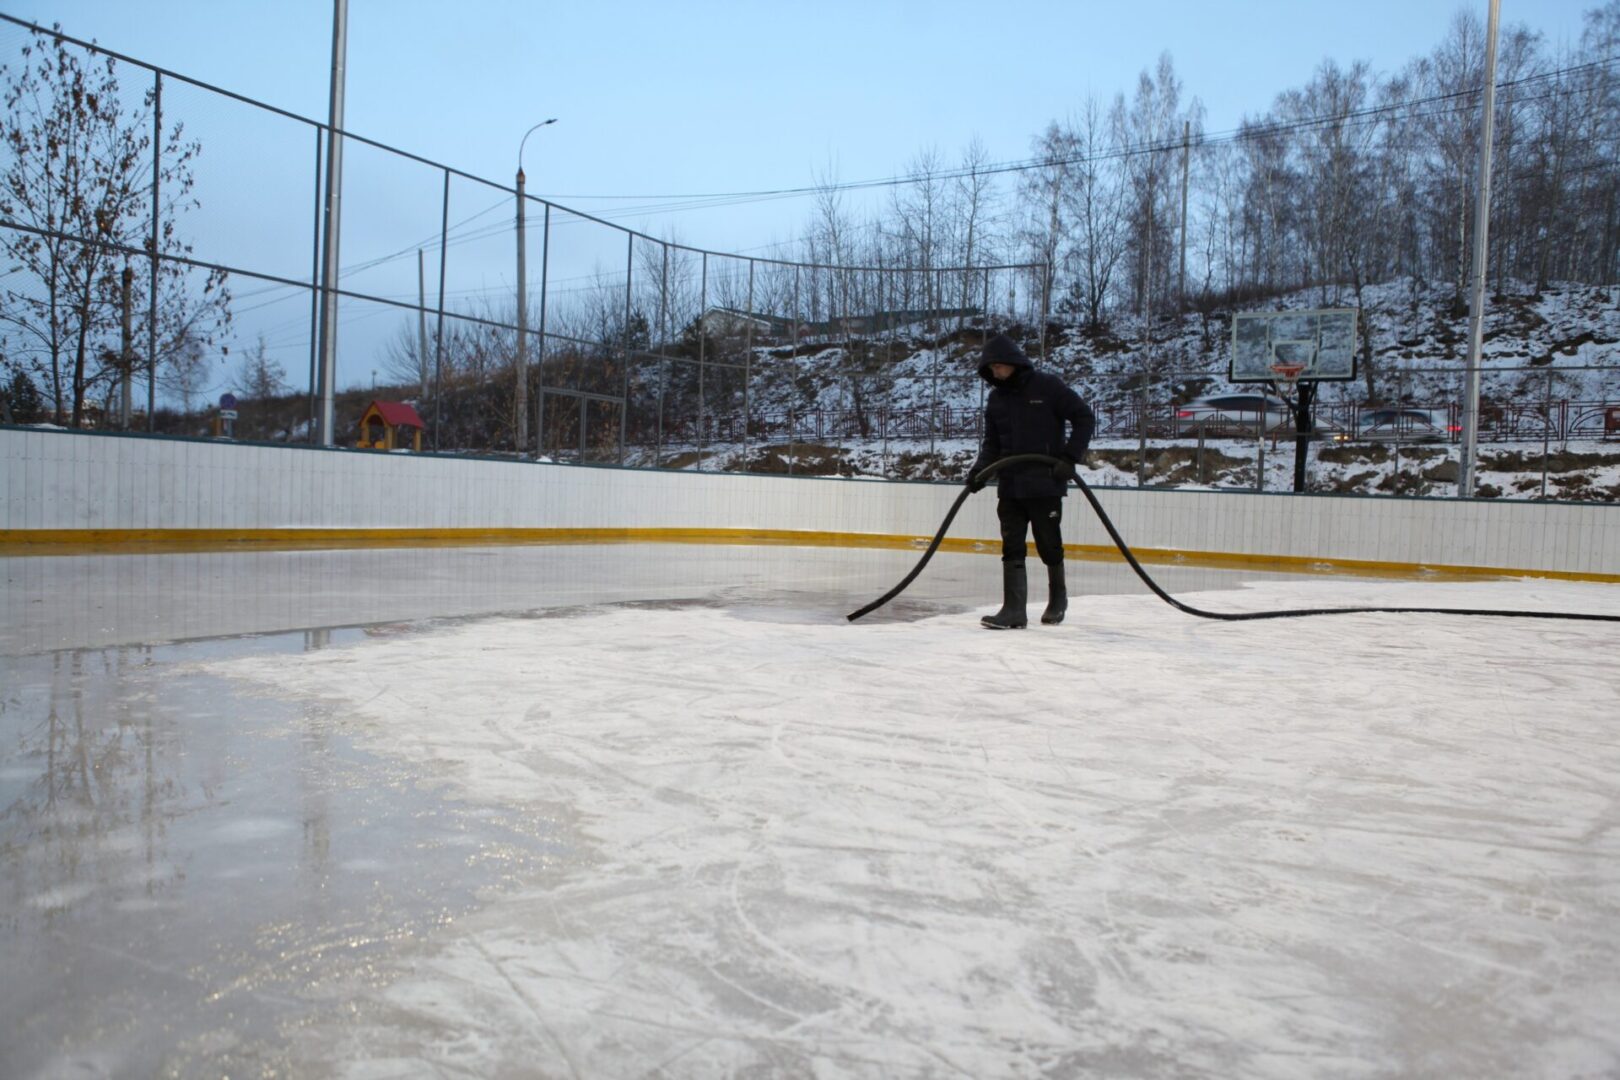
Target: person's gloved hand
[(1064, 470), (975, 483)]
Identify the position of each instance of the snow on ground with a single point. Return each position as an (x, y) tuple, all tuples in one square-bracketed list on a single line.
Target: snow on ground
[(1556, 346), (1576, 469), (1138, 844)]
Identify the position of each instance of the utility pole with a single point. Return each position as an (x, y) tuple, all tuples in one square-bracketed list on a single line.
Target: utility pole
[(334, 190), (1482, 222)]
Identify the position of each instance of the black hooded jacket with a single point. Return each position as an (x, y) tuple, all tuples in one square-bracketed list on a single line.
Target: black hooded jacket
[(1027, 414)]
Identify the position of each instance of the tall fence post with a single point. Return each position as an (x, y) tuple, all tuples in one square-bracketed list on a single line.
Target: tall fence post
[(421, 324), (933, 405), (1200, 451), (624, 403), (540, 350), (1141, 435), (438, 332), (1546, 431), (1400, 398), (793, 427), (520, 404), (126, 350), (703, 340), (152, 267), (663, 351), (748, 361), (315, 287)]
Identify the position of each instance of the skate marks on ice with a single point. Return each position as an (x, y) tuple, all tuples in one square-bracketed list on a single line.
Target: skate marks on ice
[(1137, 844)]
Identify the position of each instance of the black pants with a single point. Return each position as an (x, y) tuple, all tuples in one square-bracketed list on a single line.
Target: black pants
[(1043, 516)]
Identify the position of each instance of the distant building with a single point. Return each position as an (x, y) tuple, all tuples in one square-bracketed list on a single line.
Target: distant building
[(730, 322), (879, 322)]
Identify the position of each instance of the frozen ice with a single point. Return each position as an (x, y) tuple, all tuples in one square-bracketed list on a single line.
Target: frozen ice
[(700, 825)]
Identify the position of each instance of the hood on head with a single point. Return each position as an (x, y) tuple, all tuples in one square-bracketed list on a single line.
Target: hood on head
[(1001, 349)]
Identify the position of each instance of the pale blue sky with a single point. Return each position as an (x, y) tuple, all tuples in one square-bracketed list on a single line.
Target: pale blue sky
[(709, 96), (669, 98)]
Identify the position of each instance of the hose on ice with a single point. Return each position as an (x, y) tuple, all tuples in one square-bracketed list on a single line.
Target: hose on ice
[(1228, 616)]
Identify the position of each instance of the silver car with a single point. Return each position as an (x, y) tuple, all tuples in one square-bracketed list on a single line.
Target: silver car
[(1234, 415), (1405, 424)]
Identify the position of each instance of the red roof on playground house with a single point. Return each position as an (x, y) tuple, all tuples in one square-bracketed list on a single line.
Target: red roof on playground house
[(396, 414)]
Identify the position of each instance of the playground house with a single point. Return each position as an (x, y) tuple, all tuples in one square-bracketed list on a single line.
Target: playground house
[(393, 416)]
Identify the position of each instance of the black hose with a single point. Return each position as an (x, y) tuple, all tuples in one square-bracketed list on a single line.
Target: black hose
[(1228, 616), (929, 554)]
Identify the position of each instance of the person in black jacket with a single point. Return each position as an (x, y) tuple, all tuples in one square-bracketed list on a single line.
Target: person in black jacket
[(1027, 413)]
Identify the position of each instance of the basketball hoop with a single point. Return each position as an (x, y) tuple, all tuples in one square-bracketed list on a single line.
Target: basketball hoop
[(1286, 375)]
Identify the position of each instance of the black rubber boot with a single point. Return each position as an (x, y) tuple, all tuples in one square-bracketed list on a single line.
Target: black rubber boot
[(1057, 596), (1014, 595)]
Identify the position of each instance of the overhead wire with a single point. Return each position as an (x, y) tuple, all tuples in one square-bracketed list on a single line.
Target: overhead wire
[(1245, 131)]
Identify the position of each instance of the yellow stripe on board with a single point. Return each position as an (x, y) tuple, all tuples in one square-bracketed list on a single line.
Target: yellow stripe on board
[(63, 542)]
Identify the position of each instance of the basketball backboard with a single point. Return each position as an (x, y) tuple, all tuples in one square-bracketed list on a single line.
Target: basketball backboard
[(1324, 341)]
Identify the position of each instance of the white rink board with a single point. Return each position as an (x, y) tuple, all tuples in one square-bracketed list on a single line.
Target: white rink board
[(56, 480)]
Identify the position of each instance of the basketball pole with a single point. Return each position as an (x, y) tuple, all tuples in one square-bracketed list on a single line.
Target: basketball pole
[(1305, 393), (1299, 395), (1476, 307)]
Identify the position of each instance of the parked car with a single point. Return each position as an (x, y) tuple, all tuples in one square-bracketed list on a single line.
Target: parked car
[(1405, 424), (1233, 415)]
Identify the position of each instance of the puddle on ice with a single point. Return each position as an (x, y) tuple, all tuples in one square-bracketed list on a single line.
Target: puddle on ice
[(181, 858)]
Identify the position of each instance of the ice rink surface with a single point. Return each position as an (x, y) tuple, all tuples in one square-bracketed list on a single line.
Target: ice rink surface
[(661, 811)]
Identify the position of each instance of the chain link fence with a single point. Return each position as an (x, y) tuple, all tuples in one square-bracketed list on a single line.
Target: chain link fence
[(628, 340), (203, 277)]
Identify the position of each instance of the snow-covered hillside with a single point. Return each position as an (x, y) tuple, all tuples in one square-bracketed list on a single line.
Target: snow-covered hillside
[(908, 407)]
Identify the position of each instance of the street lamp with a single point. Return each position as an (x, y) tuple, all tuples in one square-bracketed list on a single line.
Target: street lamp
[(523, 306)]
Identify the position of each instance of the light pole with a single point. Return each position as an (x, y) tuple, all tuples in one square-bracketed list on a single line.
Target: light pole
[(523, 306)]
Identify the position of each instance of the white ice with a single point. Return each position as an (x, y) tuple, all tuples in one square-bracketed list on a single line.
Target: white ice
[(1138, 844)]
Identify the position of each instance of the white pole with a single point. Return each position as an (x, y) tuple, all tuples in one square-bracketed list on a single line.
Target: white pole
[(522, 391), (521, 398), (1476, 307), (334, 192)]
